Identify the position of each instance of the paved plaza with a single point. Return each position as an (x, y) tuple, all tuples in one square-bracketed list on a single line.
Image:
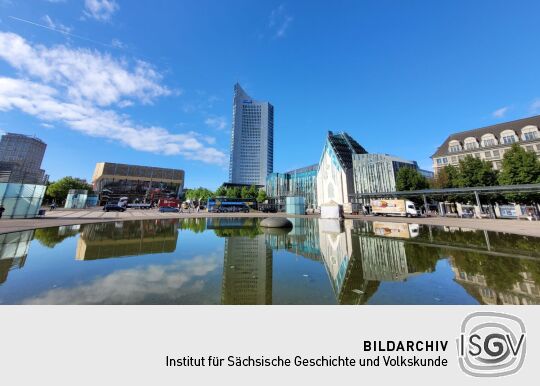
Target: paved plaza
[(85, 216)]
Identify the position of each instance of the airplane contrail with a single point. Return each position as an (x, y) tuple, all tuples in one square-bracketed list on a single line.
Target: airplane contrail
[(65, 32)]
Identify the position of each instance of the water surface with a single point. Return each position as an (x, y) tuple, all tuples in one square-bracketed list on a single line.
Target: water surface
[(234, 261)]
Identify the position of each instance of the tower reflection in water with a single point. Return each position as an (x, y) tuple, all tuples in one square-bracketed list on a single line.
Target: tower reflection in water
[(360, 258), (13, 251), (247, 262)]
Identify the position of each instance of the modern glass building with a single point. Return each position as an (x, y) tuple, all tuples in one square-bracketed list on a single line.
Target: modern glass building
[(76, 199), (295, 183), (335, 180), (252, 140), (21, 200), (377, 172), (138, 183), (20, 159)]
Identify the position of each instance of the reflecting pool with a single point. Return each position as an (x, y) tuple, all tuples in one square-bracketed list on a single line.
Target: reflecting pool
[(234, 261)]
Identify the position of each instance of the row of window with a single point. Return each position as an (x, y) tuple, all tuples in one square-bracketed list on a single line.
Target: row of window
[(507, 137), (490, 154)]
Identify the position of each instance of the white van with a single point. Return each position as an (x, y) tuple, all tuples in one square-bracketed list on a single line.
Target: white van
[(391, 207)]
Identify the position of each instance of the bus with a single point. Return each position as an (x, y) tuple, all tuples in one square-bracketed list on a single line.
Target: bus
[(226, 204)]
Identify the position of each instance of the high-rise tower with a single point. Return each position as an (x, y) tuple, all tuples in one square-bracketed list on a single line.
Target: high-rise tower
[(252, 140)]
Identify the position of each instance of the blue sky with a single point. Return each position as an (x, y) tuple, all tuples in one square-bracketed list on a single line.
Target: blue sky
[(150, 82)]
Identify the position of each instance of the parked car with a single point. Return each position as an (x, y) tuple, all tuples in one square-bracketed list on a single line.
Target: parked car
[(165, 209), (268, 208), (115, 207)]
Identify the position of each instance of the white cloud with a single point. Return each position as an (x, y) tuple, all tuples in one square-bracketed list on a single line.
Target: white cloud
[(47, 125), (218, 123), (43, 102), (157, 283), (279, 21), (101, 10), (87, 74), (116, 43), (80, 88), (535, 106), (500, 113)]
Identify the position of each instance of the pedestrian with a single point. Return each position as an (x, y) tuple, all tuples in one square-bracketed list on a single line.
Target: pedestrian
[(2, 209)]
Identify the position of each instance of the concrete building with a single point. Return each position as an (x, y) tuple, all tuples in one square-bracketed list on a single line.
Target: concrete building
[(252, 140), (335, 181), (20, 159), (489, 143), (143, 183)]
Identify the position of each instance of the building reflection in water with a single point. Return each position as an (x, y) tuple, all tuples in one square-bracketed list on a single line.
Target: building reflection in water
[(13, 251), (525, 290), (128, 238), (493, 268), (247, 271), (247, 261)]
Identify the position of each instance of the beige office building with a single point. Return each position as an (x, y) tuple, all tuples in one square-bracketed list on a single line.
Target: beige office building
[(145, 183), (489, 143)]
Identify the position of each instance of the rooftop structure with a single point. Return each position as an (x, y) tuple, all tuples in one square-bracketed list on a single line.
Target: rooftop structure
[(489, 143)]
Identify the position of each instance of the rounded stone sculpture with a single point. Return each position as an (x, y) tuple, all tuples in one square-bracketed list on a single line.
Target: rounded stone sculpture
[(276, 231), (276, 222)]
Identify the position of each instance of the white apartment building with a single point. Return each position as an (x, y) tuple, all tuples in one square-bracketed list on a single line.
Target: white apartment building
[(489, 143)]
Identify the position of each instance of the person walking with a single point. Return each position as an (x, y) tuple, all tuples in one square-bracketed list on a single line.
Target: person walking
[(2, 210)]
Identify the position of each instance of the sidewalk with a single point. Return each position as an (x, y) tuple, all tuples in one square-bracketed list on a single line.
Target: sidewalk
[(85, 216)]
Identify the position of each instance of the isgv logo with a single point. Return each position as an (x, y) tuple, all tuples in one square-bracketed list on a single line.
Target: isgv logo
[(491, 344)]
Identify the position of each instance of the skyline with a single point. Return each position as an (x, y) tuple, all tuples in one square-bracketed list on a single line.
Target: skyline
[(89, 79)]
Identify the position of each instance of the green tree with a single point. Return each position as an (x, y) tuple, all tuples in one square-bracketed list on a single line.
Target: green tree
[(476, 172), (245, 192), (253, 192), (447, 177), (49, 237), (199, 194), (520, 167), (235, 192), (261, 196), (59, 190), (221, 191), (410, 179)]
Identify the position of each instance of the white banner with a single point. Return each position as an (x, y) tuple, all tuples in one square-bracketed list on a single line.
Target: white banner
[(261, 345)]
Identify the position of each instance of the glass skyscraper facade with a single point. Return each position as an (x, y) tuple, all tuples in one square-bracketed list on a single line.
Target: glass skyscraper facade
[(295, 183), (375, 173), (252, 140)]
